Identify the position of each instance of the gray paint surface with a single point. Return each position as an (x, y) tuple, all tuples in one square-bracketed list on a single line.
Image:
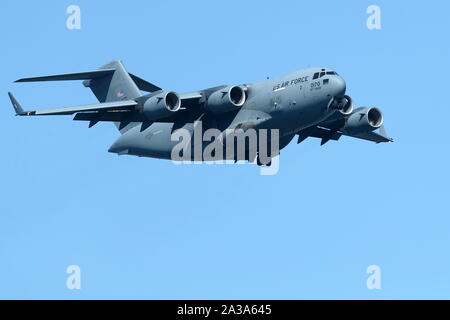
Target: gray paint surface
[(306, 103)]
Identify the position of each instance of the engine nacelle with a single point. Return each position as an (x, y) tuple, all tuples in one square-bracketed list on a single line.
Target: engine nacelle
[(343, 105), (227, 99), (365, 119), (347, 107), (161, 105)]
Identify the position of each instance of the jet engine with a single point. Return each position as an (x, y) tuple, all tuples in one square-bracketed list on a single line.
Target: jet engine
[(226, 99), (364, 119), (161, 105), (344, 105)]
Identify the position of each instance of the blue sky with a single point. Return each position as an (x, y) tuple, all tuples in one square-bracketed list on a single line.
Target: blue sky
[(146, 228)]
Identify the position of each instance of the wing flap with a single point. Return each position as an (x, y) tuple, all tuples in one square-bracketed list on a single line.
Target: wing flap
[(323, 133), (106, 106), (104, 116)]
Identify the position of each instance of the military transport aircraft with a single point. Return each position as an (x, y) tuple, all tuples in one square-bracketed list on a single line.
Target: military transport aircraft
[(306, 103)]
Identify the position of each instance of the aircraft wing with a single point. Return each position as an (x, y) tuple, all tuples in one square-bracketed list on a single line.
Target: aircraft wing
[(331, 131), (118, 111), (100, 107), (372, 136), (124, 111)]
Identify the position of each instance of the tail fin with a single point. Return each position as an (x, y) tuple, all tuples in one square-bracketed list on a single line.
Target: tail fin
[(110, 83), (113, 86)]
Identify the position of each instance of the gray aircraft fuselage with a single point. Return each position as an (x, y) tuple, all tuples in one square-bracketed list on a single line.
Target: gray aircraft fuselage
[(290, 103)]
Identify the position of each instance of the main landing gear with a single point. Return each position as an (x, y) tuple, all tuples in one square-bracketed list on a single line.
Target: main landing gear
[(260, 163)]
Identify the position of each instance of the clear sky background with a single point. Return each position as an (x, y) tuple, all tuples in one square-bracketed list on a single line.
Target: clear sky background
[(147, 228)]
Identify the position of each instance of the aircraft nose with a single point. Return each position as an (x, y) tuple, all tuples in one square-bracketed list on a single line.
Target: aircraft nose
[(339, 86)]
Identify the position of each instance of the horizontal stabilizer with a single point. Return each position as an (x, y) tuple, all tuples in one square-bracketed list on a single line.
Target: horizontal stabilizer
[(88, 75), (71, 76), (143, 84)]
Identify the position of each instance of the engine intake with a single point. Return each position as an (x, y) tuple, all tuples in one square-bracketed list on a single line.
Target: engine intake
[(365, 119), (227, 99), (161, 105), (344, 105), (347, 107)]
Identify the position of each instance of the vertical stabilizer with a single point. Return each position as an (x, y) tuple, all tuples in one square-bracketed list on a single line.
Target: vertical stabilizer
[(114, 86)]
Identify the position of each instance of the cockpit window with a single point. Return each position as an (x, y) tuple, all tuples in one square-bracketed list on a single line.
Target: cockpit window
[(318, 75)]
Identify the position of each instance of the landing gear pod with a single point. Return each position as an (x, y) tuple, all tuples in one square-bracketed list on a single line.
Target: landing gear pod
[(161, 105)]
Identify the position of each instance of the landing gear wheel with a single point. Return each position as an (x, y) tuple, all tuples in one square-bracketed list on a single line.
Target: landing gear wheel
[(259, 163)]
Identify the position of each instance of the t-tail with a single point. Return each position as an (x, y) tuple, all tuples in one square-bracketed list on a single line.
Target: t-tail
[(114, 87)]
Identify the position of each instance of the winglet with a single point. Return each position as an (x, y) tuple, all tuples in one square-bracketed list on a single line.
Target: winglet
[(384, 133), (16, 105)]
